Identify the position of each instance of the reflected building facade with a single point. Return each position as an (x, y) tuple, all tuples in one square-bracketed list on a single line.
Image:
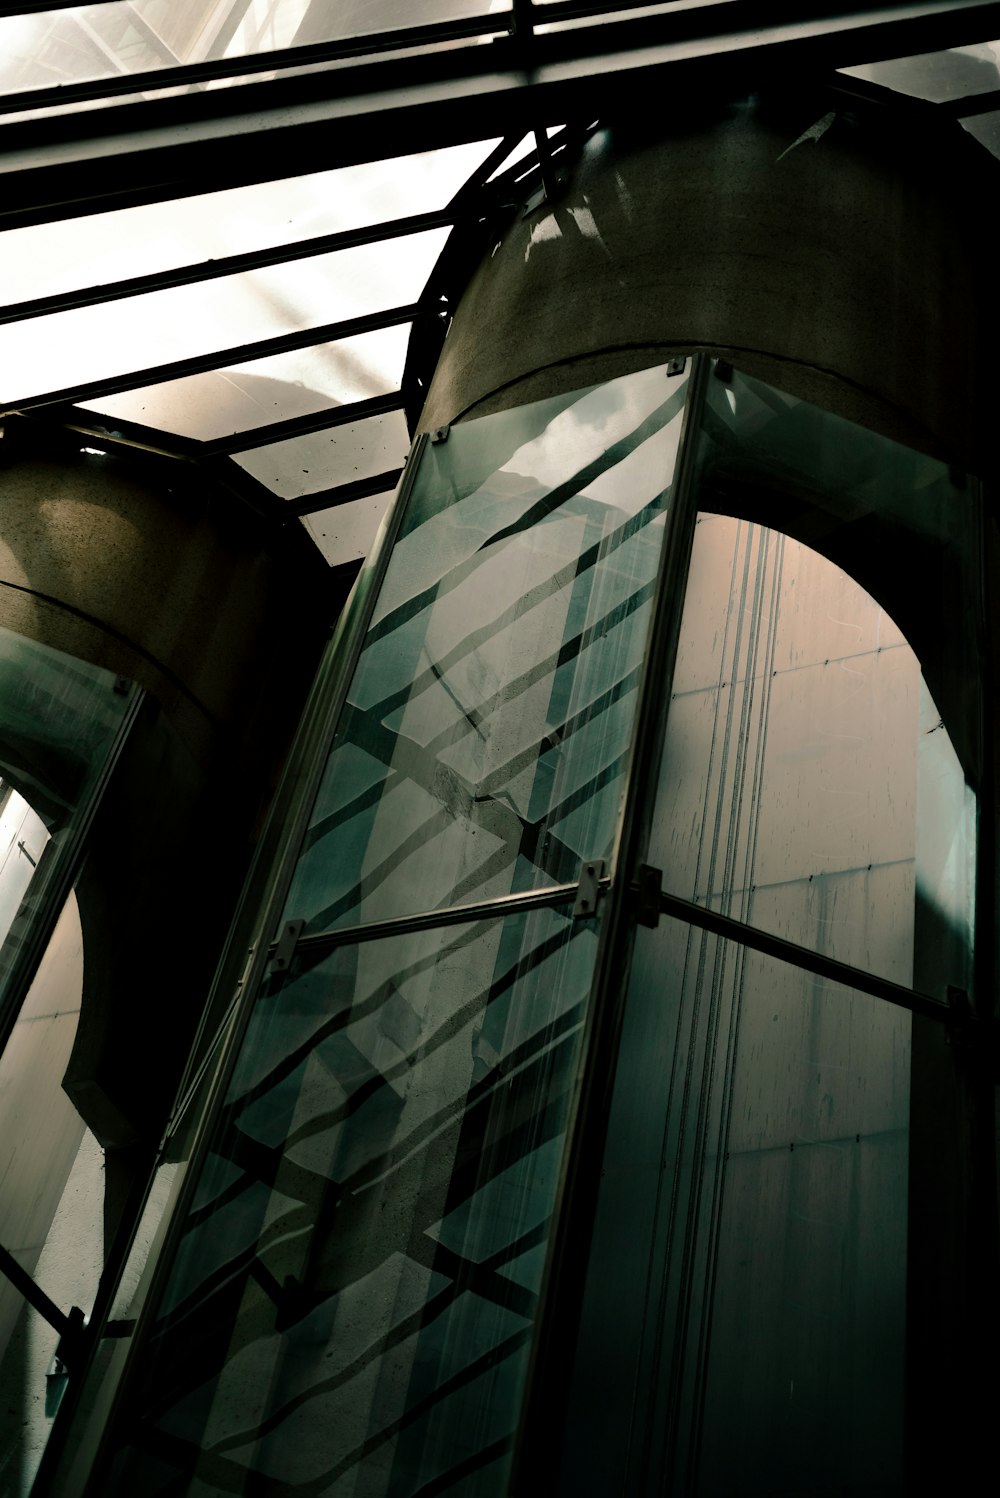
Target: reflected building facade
[(595, 1092)]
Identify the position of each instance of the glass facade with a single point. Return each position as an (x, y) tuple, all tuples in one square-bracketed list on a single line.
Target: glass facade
[(62, 725), (597, 1091), (364, 1257)]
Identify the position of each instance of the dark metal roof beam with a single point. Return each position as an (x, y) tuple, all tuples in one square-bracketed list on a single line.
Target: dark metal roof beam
[(522, 16), (227, 265), (343, 49), (177, 369), (344, 494), (202, 141), (38, 7), (969, 106), (302, 426)]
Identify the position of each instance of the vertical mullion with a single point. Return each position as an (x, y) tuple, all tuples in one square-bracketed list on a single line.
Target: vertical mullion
[(536, 1461), (522, 19)]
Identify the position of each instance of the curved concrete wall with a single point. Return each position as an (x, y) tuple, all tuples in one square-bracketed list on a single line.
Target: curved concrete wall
[(181, 589), (155, 575), (830, 252)]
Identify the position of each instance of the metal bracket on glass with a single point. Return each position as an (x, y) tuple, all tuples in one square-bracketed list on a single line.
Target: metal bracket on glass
[(69, 1325), (67, 1351), (647, 889), (284, 947), (440, 434), (588, 888), (676, 367)]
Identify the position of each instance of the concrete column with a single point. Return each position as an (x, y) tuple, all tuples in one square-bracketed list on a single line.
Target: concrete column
[(829, 249)]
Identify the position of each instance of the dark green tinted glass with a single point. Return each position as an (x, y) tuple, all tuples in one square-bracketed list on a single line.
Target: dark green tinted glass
[(484, 745), (358, 1281)]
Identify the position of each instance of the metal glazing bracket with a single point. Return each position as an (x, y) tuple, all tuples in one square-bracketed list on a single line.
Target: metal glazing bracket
[(588, 888), (284, 947), (647, 889)]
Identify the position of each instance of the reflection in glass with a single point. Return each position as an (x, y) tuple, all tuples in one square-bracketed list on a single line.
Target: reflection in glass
[(357, 1284), (485, 739), (744, 1326)]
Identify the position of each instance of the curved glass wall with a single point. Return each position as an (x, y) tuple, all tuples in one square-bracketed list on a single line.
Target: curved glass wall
[(63, 723), (477, 975)]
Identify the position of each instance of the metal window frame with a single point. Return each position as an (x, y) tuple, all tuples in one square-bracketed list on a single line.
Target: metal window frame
[(155, 150)]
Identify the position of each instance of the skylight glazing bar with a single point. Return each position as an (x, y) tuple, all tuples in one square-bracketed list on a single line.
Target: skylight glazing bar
[(41, 7), (342, 494), (227, 265), (242, 353), (483, 173), (109, 435), (970, 106), (300, 426), (523, 11), (48, 172), (247, 489), (215, 70)]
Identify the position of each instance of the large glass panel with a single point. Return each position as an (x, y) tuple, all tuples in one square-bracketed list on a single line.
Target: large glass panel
[(338, 455), (986, 129), (222, 402), (51, 1191), (104, 341), (938, 76), (744, 1325), (98, 41), (818, 766), (59, 719), (484, 743), (352, 1303), (114, 246), (344, 533)]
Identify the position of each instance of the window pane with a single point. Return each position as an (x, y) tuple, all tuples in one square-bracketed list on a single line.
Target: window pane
[(747, 1290), (355, 1293), (103, 41), (345, 532), (339, 455), (110, 247), (938, 76), (484, 743), (100, 342), (222, 402), (986, 129), (811, 784)]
